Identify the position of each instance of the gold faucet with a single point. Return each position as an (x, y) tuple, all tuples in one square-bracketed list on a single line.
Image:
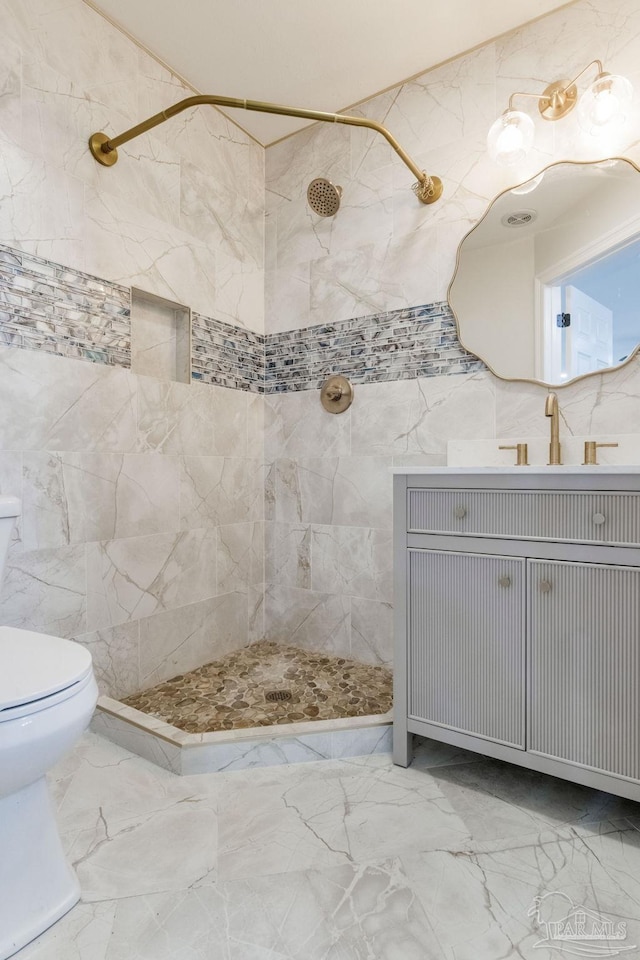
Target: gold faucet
[(551, 410)]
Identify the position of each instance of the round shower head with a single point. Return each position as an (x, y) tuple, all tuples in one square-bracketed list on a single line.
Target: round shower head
[(323, 197)]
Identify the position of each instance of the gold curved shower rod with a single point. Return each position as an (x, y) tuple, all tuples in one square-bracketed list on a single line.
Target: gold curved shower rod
[(105, 149)]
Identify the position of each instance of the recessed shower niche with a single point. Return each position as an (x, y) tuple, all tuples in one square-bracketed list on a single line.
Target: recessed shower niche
[(160, 337)]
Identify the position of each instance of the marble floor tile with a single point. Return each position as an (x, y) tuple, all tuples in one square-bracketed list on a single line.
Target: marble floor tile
[(366, 814), (498, 800), (455, 858), (501, 903)]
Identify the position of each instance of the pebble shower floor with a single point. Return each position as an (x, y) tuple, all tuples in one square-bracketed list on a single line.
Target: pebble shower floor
[(231, 693)]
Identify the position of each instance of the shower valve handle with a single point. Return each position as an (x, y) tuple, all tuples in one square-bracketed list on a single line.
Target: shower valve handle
[(336, 394)]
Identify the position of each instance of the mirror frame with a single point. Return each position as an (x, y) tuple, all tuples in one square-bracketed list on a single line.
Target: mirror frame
[(540, 383)]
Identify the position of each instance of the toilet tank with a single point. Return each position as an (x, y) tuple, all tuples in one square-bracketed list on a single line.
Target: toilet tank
[(9, 510)]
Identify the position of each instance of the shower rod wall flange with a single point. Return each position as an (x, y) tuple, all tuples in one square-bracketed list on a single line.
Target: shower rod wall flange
[(105, 149)]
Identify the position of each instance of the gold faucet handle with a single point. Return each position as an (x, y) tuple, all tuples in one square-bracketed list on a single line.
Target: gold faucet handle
[(590, 452), (522, 453)]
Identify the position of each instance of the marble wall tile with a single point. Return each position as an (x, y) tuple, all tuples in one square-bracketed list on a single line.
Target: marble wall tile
[(597, 405), (372, 631), (46, 213), (81, 44), (141, 742), (419, 416), (219, 490), (239, 557), (352, 561), (227, 219), (198, 419), (296, 425), (389, 274), (240, 292), (75, 497), (346, 285), (114, 652), (350, 491), (45, 590), (134, 578), (187, 637), (60, 404), (453, 101), (208, 139), (256, 605), (288, 554), (269, 491), (11, 486), (287, 296), (293, 164), (255, 428), (307, 619), (366, 210), (133, 248), (230, 422), (10, 92), (176, 417), (368, 150)]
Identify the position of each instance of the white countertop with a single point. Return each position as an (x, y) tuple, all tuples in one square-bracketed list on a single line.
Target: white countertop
[(563, 469)]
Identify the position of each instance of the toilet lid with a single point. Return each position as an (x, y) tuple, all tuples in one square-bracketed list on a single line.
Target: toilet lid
[(9, 507), (34, 665)]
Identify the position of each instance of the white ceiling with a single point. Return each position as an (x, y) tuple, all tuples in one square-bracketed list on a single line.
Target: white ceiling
[(321, 56)]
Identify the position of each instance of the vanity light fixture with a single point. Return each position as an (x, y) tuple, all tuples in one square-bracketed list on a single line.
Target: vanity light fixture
[(601, 108)]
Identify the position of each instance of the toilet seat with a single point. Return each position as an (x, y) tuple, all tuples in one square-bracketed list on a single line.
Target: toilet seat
[(37, 671)]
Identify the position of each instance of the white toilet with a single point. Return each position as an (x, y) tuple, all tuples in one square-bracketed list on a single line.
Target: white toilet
[(47, 696)]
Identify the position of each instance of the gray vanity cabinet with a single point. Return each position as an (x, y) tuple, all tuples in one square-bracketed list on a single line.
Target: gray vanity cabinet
[(584, 665), (466, 630), (518, 620)]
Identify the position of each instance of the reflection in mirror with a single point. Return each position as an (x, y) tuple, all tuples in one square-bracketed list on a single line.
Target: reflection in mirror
[(547, 285)]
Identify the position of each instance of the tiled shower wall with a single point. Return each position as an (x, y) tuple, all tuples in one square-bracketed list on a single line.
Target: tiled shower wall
[(328, 535), (142, 498)]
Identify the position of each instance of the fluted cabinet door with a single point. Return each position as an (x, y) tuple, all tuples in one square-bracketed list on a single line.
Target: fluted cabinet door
[(584, 683), (466, 643)]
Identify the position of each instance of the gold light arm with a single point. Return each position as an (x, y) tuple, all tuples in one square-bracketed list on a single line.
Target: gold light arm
[(105, 149), (560, 97)]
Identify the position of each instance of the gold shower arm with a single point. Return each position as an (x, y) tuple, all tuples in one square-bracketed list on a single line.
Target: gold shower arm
[(105, 149)]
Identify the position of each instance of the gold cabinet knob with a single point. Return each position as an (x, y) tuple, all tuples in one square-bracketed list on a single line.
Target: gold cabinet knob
[(460, 512), (545, 586), (599, 519), (505, 581), (590, 452)]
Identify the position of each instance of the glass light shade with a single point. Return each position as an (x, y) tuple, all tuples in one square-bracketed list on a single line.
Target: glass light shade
[(510, 138), (603, 107)]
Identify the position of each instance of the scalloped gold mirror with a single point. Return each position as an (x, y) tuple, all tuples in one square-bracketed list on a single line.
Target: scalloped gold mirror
[(547, 284)]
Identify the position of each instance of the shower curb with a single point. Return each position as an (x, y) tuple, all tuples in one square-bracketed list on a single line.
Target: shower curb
[(189, 753)]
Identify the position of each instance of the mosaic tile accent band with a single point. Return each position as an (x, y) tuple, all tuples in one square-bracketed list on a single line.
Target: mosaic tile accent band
[(226, 355), (398, 345), (47, 306)]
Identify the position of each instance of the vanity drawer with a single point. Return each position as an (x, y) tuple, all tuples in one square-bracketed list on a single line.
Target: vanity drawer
[(599, 517)]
